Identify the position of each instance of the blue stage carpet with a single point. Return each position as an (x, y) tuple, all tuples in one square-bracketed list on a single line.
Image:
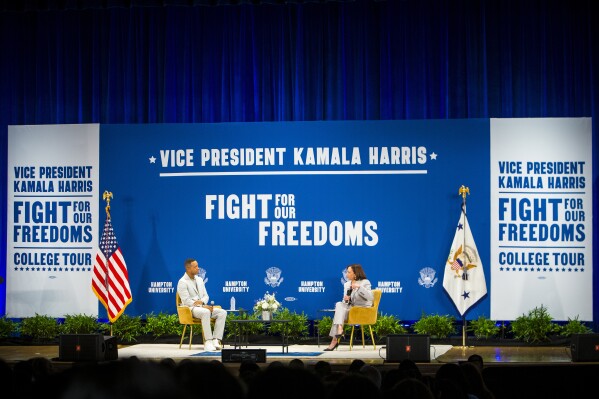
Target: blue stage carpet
[(269, 354)]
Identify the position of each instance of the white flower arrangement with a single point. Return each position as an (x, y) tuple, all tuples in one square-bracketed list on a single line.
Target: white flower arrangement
[(267, 304)]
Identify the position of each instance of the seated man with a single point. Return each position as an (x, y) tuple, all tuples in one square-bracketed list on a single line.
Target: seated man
[(192, 291)]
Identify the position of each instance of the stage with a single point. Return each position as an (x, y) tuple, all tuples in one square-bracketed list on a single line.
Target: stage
[(310, 354)]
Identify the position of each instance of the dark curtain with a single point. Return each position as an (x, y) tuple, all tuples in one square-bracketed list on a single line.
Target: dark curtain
[(197, 61)]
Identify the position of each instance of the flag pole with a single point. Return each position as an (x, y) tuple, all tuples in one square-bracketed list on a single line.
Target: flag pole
[(464, 191), (107, 196)]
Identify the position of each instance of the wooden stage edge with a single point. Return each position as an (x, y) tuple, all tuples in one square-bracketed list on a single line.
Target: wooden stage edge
[(504, 356)]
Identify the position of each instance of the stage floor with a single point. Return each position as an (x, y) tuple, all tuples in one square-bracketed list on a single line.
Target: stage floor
[(311, 354)]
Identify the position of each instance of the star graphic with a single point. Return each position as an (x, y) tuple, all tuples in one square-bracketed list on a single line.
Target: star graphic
[(460, 226), (466, 295), (152, 159), (433, 156)]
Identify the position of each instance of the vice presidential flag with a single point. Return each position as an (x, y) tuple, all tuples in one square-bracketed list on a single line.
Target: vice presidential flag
[(110, 280), (464, 278)]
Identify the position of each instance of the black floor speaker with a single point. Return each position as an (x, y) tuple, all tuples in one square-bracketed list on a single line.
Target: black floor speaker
[(87, 347), (416, 347), (239, 355), (584, 347)]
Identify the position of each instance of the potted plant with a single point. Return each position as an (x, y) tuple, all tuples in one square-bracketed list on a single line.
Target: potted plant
[(535, 327), (41, 329), (574, 326), (8, 328), (296, 328), (81, 324), (127, 328), (163, 324), (437, 326), (266, 306), (323, 326), (484, 328), (387, 325)]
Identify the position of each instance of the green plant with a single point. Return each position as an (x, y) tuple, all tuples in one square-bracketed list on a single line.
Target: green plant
[(296, 328), (435, 325), (483, 327), (574, 326), (40, 328), (245, 329), (81, 324), (534, 327), (386, 325), (127, 328), (7, 328), (324, 325), (163, 324)]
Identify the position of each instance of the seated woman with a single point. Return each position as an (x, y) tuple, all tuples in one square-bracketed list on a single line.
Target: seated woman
[(357, 293)]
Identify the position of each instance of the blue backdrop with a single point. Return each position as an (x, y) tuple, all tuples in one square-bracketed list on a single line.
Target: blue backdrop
[(161, 214)]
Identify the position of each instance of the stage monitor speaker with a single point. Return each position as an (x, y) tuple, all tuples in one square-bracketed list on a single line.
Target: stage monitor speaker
[(239, 355), (416, 347), (584, 347), (87, 347)]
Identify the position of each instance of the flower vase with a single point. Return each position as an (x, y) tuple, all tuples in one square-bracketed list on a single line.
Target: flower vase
[(266, 315)]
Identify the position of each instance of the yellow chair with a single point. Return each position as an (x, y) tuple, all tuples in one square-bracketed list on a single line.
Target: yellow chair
[(364, 317), (186, 318)]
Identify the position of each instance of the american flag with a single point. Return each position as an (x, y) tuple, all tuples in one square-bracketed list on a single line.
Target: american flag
[(110, 280)]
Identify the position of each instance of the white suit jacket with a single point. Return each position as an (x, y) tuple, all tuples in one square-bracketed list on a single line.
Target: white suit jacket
[(361, 296), (191, 290)]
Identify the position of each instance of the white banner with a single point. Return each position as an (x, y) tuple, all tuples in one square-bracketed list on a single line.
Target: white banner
[(53, 173), (541, 217)]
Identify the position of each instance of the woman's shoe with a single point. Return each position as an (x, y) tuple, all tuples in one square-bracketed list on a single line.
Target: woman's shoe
[(333, 348)]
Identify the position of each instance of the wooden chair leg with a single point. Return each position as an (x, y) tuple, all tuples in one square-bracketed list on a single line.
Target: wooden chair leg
[(372, 336), (190, 334), (351, 338), (182, 335)]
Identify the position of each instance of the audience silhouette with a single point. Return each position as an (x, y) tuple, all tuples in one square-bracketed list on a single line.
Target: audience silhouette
[(191, 378)]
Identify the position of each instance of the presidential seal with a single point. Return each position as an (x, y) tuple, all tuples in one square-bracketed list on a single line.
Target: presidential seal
[(427, 277), (273, 277)]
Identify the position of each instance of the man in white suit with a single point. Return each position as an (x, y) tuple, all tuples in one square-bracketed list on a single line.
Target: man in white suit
[(192, 292)]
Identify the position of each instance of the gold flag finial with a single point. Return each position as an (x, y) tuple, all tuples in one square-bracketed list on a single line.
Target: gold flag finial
[(107, 196), (464, 191)]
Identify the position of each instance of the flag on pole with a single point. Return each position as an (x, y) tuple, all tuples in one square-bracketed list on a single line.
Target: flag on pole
[(110, 279), (464, 278)]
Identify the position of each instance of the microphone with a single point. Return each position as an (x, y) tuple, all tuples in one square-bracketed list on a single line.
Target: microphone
[(348, 293)]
